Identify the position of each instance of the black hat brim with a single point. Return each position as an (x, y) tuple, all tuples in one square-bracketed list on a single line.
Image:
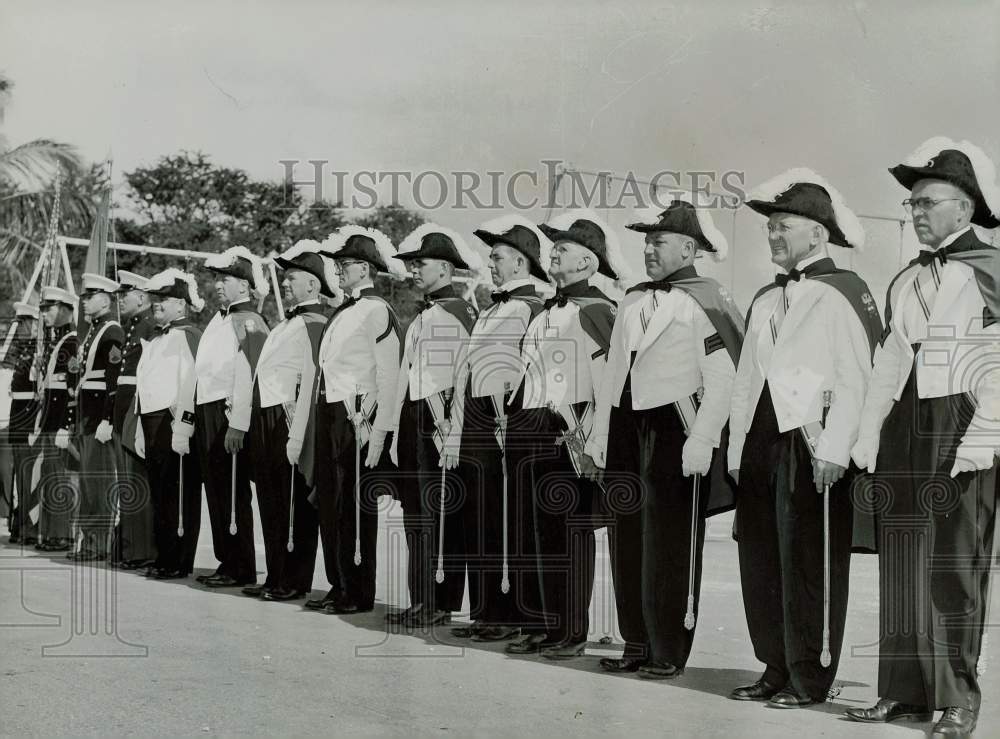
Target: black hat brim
[(909, 176), (491, 240), (768, 209), (324, 289), (555, 234), (423, 253)]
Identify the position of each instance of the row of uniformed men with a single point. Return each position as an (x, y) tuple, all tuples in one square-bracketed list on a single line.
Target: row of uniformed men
[(509, 435)]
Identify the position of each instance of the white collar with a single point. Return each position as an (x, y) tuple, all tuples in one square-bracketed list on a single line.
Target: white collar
[(514, 284), (306, 302), (821, 254), (356, 292), (947, 240)]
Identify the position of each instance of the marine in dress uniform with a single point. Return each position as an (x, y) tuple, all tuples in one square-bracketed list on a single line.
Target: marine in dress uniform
[(550, 418), (59, 470), (485, 377), (291, 529), (135, 544), (165, 401), (660, 420), (796, 407), (227, 358), (340, 448), (20, 357), (930, 431), (424, 393), (94, 383)]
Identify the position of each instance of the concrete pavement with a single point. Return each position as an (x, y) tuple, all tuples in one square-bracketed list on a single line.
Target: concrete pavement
[(92, 651)]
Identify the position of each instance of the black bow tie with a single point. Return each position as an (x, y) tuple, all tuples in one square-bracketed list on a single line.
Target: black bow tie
[(559, 299), (348, 302), (500, 296), (793, 276), (652, 285), (926, 257), (160, 330), (426, 304)]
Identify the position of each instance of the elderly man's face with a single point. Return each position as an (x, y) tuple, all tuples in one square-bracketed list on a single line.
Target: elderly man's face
[(298, 285), (666, 252), (791, 238), (506, 263), (940, 210), (567, 258)]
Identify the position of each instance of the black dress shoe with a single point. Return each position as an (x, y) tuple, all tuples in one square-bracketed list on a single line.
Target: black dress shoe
[(203, 578), (169, 575), (223, 581), (320, 604), (469, 631), (150, 571), (621, 664), (253, 591), (566, 649), (344, 608), (660, 671), (761, 690), (279, 594), (15, 539), (496, 633), (402, 616), (789, 697), (956, 723), (888, 710), (427, 617), (529, 644)]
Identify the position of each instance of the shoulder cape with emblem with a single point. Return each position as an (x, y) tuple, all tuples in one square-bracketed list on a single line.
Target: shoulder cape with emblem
[(720, 308), (251, 330), (856, 291), (597, 316), (463, 311)]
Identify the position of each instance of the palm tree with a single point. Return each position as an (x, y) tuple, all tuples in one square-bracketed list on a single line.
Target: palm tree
[(27, 176)]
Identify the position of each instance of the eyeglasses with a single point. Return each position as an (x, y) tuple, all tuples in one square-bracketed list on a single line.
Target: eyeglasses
[(924, 204), (342, 264)]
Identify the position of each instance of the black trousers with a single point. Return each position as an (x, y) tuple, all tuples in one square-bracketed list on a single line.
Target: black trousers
[(273, 478), (134, 537), (25, 458), (94, 515), (343, 506), (174, 550), (935, 538), (650, 539), (419, 490), (564, 513), (58, 490), (779, 516), (235, 552), (482, 471)]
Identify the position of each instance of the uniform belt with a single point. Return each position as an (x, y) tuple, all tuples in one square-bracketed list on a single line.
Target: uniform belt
[(56, 385), (94, 375), (22, 395), (94, 385), (126, 380)]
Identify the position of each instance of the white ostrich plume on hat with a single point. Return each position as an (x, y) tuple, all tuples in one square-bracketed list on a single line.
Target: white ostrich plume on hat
[(982, 166), (563, 221), (848, 223), (338, 239), (503, 224), (650, 215), (412, 243), (167, 277), (227, 258), (310, 246)]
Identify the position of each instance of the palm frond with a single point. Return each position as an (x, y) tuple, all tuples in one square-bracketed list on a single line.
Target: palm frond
[(33, 166)]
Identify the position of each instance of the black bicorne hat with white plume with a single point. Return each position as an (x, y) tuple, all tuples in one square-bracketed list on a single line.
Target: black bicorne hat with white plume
[(804, 193), (305, 255), (586, 228), (960, 163), (519, 233), (688, 217), (175, 283), (240, 262), (366, 245)]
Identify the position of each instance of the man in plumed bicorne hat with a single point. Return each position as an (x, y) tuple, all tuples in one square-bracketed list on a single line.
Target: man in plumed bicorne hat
[(432, 504), (802, 375), (485, 376), (340, 428), (660, 420), (226, 361), (930, 431)]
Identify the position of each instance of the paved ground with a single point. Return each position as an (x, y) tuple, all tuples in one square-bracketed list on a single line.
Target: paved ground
[(88, 651)]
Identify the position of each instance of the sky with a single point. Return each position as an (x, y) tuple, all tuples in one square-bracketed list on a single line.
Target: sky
[(845, 88)]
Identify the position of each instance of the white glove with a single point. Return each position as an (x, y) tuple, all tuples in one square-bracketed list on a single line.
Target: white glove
[(32, 438), (103, 433), (696, 456), (375, 443), (972, 458), (450, 452), (293, 450), (865, 453), (62, 438), (180, 444)]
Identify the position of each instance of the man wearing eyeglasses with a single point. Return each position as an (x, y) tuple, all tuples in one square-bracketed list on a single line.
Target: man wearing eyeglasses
[(797, 398), (930, 431)]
